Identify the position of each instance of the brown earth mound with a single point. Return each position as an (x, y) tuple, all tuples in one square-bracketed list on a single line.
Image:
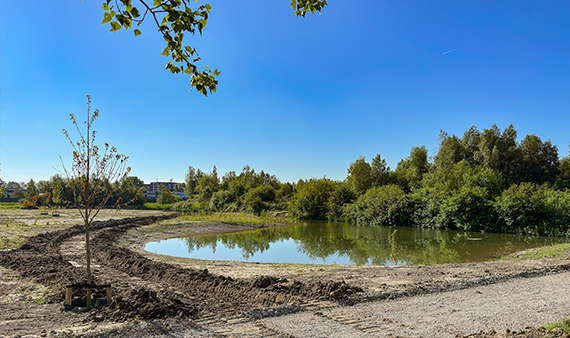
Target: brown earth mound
[(172, 291)]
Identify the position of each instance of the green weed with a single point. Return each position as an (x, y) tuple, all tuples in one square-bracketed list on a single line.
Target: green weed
[(563, 324)]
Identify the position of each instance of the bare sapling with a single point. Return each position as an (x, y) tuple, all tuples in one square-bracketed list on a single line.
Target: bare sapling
[(91, 177)]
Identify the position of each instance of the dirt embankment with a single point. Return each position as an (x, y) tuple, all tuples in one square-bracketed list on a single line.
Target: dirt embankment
[(167, 288), (173, 291)]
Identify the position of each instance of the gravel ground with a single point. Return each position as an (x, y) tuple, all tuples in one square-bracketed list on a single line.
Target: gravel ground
[(512, 306)]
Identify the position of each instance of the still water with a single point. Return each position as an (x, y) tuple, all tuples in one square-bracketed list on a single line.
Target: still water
[(342, 243)]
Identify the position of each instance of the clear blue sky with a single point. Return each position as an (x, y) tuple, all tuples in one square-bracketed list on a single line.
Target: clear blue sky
[(297, 98)]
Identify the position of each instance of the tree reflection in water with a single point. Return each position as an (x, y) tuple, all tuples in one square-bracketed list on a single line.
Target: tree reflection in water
[(319, 241)]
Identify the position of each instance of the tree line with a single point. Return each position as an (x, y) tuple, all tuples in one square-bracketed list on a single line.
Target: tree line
[(480, 181), (131, 190)]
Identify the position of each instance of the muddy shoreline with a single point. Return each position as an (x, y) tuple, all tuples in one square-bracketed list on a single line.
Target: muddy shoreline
[(184, 295), (378, 282)]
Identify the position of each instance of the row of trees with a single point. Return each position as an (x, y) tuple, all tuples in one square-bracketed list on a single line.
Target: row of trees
[(482, 181), (249, 191), (129, 190)]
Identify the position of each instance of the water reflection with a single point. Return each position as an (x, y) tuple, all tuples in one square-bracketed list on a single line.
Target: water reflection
[(329, 243)]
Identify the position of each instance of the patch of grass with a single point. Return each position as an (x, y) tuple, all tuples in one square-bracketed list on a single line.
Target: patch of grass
[(156, 206), (10, 243), (40, 294), (10, 205), (556, 250), (563, 324), (234, 218)]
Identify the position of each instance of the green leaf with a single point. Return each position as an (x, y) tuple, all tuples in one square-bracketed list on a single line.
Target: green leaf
[(208, 7), (105, 6), (106, 18), (165, 52), (137, 32), (135, 12), (157, 3), (115, 26)]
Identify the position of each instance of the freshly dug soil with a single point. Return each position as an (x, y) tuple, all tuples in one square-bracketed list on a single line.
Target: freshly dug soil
[(172, 291), (147, 287)]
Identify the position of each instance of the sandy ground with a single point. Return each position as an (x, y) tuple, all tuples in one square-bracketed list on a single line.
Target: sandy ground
[(409, 301)]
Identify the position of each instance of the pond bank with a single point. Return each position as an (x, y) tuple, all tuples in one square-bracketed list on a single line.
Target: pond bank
[(378, 282)]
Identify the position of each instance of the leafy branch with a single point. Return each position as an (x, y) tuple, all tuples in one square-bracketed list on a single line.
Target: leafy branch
[(174, 18)]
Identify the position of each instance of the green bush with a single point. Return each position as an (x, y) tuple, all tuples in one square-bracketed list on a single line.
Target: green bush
[(468, 209), (221, 200), (157, 206), (385, 205), (526, 208), (310, 200), (190, 206), (165, 196), (341, 195)]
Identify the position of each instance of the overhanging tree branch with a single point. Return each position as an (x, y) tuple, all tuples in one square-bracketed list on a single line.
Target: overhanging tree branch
[(173, 18)]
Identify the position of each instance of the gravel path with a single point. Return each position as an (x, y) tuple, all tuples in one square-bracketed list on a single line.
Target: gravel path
[(511, 305)]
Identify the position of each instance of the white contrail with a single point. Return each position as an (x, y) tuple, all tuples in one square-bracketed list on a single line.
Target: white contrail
[(449, 51)]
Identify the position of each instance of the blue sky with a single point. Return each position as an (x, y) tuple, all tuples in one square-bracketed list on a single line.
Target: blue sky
[(297, 98)]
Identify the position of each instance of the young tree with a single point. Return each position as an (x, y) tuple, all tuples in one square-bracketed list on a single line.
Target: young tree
[(191, 179), (92, 168), (165, 196), (379, 171), (174, 18), (359, 175), (31, 189)]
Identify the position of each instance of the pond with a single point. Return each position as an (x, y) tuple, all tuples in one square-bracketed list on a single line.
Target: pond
[(342, 243)]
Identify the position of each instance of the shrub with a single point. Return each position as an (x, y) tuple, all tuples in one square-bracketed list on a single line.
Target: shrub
[(184, 205), (156, 206), (385, 205), (221, 200), (310, 200), (468, 209), (165, 196), (341, 195), (524, 208)]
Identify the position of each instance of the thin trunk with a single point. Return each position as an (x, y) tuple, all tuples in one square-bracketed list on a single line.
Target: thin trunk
[(88, 256), (86, 198)]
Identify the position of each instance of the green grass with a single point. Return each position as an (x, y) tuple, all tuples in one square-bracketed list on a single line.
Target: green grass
[(156, 206), (234, 218), (556, 250), (564, 324), (10, 205), (10, 243)]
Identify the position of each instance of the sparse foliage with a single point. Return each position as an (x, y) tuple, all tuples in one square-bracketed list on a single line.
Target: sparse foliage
[(90, 175)]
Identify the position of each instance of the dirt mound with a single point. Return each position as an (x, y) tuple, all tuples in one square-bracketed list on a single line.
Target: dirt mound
[(211, 294), (175, 291), (529, 332)]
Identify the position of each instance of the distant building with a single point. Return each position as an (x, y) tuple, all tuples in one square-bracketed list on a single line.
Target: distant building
[(155, 186), (10, 191), (153, 189)]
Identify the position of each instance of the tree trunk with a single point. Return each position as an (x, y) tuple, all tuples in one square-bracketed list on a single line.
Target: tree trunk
[(88, 258)]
